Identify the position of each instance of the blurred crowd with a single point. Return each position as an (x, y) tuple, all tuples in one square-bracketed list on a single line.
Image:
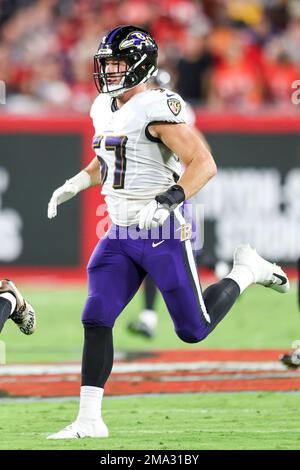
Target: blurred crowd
[(223, 54)]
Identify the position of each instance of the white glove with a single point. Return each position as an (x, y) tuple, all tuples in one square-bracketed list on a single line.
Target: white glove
[(67, 191), (153, 215)]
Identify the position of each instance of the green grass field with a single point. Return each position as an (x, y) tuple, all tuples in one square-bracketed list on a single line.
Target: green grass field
[(202, 421), (260, 319)]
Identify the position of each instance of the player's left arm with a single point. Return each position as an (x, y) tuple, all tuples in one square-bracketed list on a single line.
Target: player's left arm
[(192, 151)]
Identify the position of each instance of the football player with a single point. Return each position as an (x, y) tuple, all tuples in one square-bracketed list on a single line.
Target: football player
[(139, 133), (14, 306)]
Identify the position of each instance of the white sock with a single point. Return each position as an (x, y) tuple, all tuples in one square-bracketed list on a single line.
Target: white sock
[(90, 403), (242, 275), (149, 318), (11, 298)]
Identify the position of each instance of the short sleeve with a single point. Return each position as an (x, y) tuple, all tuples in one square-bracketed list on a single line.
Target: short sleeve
[(167, 106)]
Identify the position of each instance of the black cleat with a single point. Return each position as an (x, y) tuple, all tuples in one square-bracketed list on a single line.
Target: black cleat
[(291, 360), (141, 329)]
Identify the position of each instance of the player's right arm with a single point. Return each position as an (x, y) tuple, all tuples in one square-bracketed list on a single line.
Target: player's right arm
[(89, 176), (93, 171)]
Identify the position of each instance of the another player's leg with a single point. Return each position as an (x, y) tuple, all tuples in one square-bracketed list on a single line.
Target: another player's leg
[(7, 306), (146, 323), (113, 280), (14, 306), (292, 359)]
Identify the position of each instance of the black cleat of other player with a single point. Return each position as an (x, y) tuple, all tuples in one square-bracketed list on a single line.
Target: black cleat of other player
[(141, 329), (291, 360)]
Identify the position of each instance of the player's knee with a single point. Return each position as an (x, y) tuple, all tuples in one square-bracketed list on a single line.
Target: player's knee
[(94, 322), (89, 320), (191, 336), (97, 313)]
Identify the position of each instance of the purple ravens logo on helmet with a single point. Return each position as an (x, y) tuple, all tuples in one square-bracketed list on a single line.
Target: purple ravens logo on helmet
[(137, 39)]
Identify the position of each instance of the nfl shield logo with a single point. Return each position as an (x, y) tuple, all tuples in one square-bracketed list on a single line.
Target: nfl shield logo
[(174, 105)]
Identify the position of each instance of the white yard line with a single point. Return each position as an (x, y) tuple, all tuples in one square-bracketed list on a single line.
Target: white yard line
[(47, 369)]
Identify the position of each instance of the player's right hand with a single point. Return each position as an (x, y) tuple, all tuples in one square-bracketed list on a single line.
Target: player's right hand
[(71, 187), (153, 215), (60, 195)]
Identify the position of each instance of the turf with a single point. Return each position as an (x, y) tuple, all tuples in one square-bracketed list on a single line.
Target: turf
[(261, 318), (202, 421)]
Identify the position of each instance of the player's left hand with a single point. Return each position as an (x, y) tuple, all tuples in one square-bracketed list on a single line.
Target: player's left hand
[(153, 215)]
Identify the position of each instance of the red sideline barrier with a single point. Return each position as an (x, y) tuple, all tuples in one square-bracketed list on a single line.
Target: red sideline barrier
[(82, 125)]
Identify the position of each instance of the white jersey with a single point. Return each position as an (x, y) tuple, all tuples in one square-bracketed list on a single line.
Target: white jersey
[(135, 167)]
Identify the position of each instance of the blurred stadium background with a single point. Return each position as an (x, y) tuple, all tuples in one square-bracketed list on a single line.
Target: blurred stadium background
[(237, 63)]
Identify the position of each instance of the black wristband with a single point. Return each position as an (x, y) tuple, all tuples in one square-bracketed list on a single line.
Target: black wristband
[(171, 198)]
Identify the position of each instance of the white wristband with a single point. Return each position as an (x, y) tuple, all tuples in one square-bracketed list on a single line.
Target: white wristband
[(82, 181)]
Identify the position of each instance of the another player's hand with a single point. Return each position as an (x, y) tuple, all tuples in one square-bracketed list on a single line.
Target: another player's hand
[(153, 215), (60, 195)]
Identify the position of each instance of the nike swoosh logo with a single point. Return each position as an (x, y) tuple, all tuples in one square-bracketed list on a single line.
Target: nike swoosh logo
[(156, 244), (282, 279), (169, 96)]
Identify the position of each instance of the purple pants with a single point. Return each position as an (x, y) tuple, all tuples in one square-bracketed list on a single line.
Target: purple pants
[(125, 255)]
